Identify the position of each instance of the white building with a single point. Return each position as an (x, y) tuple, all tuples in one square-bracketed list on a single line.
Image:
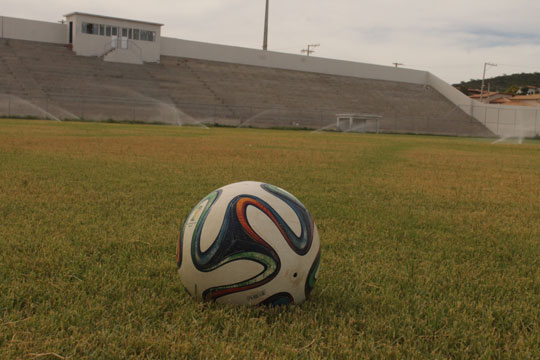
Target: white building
[(116, 39)]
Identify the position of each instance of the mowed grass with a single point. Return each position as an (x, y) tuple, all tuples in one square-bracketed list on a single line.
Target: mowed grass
[(430, 245)]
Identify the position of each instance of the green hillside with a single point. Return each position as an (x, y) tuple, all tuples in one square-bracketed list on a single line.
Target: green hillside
[(504, 83)]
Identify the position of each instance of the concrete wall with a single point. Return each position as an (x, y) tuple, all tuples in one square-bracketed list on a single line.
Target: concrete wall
[(502, 120), (509, 121), (22, 29), (449, 92), (239, 55), (97, 45)]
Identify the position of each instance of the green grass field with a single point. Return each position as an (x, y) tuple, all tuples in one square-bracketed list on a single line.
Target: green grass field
[(430, 245)]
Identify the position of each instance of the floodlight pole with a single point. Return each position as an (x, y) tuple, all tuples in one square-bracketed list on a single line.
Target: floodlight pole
[(483, 79), (396, 64), (265, 39)]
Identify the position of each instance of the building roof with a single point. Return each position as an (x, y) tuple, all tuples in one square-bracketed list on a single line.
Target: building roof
[(112, 18), (485, 95), (527, 97), (510, 101), (519, 103)]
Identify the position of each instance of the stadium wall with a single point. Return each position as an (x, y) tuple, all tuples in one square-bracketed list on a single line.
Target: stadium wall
[(245, 56), (32, 30)]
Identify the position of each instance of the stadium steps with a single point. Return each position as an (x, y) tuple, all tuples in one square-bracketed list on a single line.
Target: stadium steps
[(179, 89), (15, 67), (206, 84)]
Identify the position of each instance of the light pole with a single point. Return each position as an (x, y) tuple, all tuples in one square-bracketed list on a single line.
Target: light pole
[(483, 79), (265, 39), (308, 50)]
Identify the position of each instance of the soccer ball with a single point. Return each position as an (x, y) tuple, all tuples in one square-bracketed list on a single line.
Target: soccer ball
[(249, 243)]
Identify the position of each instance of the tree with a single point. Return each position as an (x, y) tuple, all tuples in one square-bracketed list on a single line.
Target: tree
[(463, 88), (512, 90)]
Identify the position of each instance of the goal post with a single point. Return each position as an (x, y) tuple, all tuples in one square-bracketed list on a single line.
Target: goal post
[(357, 122)]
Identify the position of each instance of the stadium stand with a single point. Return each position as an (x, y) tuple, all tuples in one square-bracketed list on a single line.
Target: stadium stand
[(63, 85)]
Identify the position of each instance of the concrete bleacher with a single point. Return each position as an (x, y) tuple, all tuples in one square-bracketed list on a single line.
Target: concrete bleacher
[(181, 90)]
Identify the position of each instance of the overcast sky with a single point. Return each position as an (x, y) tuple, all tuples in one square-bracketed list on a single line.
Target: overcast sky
[(451, 39)]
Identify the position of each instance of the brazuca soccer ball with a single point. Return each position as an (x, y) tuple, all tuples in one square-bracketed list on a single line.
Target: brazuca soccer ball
[(249, 243)]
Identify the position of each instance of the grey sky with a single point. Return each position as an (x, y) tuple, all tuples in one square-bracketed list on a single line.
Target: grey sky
[(451, 39)]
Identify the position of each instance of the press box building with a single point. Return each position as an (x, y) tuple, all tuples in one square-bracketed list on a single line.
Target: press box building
[(116, 39)]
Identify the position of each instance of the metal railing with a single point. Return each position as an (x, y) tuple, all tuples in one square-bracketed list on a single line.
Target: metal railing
[(509, 122), (131, 46), (107, 48), (73, 107)]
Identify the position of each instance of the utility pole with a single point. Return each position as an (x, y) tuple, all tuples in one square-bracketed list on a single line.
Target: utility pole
[(396, 64), (265, 39), (483, 79), (308, 51)]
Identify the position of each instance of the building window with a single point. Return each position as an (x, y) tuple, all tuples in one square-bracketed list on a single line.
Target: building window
[(144, 35), (108, 30), (148, 35), (88, 28)]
